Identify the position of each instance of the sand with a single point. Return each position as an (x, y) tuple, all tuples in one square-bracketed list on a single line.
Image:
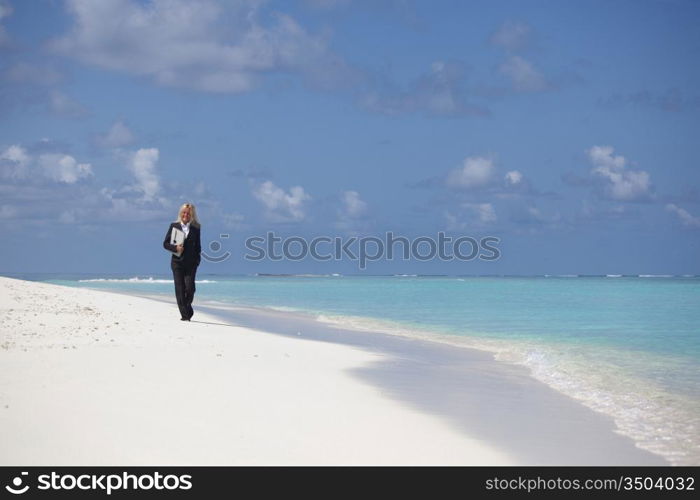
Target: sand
[(96, 378), (91, 377)]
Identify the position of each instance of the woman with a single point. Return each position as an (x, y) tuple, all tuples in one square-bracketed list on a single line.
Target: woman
[(186, 257)]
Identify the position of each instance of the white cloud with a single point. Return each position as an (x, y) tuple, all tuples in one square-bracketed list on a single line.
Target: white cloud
[(602, 156), (453, 222), (63, 168), (352, 213), (512, 35), (16, 154), (14, 163), (484, 212), (481, 214), (524, 76), (62, 105), (23, 72), (120, 207), (5, 11), (441, 91), (443, 97), (68, 217), (200, 189), (598, 211), (234, 221), (8, 212), (686, 218), (118, 136), (534, 214), (353, 206), (513, 177), (620, 183), (197, 45), (142, 165), (282, 206), (514, 39), (325, 4), (475, 172), (17, 164), (42, 185)]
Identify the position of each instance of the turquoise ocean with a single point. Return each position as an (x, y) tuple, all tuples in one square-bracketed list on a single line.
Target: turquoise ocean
[(626, 346)]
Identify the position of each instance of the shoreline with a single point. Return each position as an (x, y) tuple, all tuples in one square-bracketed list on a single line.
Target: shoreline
[(278, 319), (327, 385), (551, 428)]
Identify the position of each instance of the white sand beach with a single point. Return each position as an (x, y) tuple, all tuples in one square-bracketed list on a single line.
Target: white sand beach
[(97, 378)]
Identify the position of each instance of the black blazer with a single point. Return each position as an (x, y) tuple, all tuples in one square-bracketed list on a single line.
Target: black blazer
[(191, 255)]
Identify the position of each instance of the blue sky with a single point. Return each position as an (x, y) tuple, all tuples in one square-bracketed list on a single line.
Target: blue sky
[(568, 130)]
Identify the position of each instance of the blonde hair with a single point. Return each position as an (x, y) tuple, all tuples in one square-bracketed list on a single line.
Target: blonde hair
[(193, 214)]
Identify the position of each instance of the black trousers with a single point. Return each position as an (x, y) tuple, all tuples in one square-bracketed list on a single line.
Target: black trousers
[(184, 277)]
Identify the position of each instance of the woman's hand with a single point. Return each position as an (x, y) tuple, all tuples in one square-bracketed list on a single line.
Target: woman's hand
[(179, 248)]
